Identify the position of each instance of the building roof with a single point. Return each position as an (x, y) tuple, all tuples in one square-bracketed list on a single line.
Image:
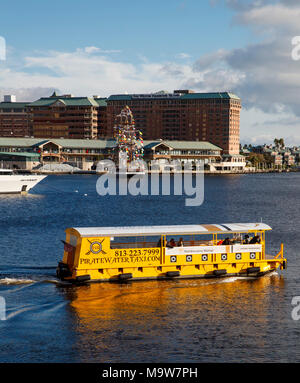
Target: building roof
[(176, 96), (68, 101), (77, 143), (245, 151), (101, 101), (192, 145), (218, 95), (133, 231), (19, 142), (13, 105), (101, 144), (69, 143), (183, 145), (19, 154)]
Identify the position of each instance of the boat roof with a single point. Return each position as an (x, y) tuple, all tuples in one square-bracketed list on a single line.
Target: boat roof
[(132, 231)]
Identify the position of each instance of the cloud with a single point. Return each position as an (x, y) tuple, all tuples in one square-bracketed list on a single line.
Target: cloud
[(99, 50), (183, 56), (88, 71), (27, 94), (263, 73)]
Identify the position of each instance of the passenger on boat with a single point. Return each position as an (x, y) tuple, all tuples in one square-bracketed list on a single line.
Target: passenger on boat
[(255, 239), (180, 242), (159, 243), (246, 239), (220, 242), (226, 241), (171, 243)]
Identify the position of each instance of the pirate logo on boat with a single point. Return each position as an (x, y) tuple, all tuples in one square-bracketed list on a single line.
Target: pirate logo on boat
[(95, 247)]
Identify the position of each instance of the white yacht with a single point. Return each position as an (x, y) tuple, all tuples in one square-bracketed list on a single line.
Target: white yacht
[(17, 183)]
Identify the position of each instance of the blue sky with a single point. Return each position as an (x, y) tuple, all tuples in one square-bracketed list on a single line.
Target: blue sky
[(138, 46), (154, 29)]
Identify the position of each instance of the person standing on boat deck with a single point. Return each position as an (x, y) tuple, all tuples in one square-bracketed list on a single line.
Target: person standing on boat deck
[(220, 242), (246, 239), (180, 242), (255, 239), (171, 243), (226, 241)]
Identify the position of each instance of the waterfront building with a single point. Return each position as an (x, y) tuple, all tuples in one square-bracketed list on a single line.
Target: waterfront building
[(179, 116), (295, 151), (15, 121), (26, 153), (64, 117), (281, 156), (182, 116), (165, 151), (101, 115)]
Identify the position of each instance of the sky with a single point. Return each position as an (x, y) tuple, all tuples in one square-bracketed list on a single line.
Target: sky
[(139, 46)]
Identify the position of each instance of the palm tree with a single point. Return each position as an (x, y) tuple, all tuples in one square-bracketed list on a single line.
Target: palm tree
[(281, 143), (276, 143)]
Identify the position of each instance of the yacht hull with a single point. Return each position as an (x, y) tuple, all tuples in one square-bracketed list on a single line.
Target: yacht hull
[(18, 183)]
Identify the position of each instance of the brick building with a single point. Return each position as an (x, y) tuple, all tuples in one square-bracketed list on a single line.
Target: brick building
[(102, 121), (14, 119), (182, 115), (64, 117)]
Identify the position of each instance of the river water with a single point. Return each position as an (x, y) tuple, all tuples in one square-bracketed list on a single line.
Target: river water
[(224, 320)]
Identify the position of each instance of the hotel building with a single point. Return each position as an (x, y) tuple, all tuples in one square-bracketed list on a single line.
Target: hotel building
[(181, 115), (64, 117), (15, 121)]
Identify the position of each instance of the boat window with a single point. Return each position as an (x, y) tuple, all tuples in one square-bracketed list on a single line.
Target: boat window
[(134, 242), (191, 240), (73, 240), (155, 241), (7, 173), (235, 238)]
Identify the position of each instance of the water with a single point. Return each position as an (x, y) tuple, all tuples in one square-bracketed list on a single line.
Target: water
[(228, 320)]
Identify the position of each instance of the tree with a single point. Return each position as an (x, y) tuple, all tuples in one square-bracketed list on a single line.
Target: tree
[(256, 158), (279, 143)]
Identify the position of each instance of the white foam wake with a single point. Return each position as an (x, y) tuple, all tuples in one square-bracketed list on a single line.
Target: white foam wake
[(15, 281)]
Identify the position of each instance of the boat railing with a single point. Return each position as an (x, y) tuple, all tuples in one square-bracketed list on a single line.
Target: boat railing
[(280, 253), (134, 245), (148, 244)]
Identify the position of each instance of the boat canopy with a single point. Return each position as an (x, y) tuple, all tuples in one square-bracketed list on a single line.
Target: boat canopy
[(134, 231)]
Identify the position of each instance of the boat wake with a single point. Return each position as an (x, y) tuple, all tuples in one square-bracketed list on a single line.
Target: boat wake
[(16, 281)]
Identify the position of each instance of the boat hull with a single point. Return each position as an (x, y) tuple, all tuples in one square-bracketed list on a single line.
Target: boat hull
[(15, 184), (245, 269)]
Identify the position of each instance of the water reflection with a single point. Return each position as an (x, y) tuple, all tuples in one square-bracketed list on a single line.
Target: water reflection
[(194, 318)]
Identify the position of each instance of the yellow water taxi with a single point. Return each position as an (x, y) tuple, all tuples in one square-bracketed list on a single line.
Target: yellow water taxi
[(98, 254)]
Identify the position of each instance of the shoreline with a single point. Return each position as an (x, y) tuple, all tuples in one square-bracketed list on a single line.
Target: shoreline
[(206, 172)]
